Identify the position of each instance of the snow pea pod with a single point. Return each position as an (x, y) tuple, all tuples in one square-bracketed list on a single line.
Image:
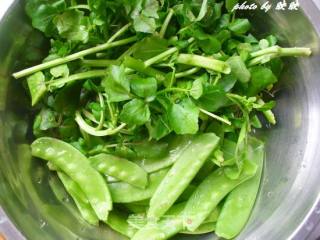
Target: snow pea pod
[(181, 174), (125, 193), (69, 160), (79, 198), (168, 226), (210, 192), (161, 230), (202, 229), (117, 222), (239, 203), (176, 147), (120, 168)]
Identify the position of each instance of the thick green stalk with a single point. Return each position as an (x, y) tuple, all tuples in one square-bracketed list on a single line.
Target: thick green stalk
[(166, 23), (79, 76), (139, 66), (265, 55), (204, 62), (99, 62), (161, 56), (73, 57), (283, 52), (164, 55), (266, 51)]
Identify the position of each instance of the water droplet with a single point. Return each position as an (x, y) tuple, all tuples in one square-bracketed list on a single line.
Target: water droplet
[(265, 181), (66, 199), (42, 223), (270, 194)]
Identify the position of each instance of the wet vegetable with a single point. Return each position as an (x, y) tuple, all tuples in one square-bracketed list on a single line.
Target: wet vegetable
[(149, 106)]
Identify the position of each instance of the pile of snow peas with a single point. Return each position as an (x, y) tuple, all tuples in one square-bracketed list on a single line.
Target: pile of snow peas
[(145, 111)]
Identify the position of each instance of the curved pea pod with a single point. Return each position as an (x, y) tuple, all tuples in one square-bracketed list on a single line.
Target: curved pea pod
[(79, 198), (117, 221), (120, 168), (169, 225), (125, 193), (210, 192), (181, 174), (161, 230), (72, 162), (239, 203), (202, 229), (176, 147)]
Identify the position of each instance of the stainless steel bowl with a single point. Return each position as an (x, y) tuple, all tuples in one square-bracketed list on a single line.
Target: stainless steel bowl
[(288, 206)]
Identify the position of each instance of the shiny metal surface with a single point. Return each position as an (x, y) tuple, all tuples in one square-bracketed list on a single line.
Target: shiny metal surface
[(288, 206)]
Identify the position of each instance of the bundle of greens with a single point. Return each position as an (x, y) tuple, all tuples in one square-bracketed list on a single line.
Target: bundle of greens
[(160, 98)]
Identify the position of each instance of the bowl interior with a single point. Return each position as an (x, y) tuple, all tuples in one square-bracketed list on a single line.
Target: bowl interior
[(290, 186)]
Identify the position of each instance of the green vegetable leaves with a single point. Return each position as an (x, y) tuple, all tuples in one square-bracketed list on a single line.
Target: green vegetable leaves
[(240, 26), (183, 117), (144, 15), (150, 47), (144, 87), (197, 89), (135, 112), (117, 85), (239, 69), (213, 98), (37, 86), (262, 77), (42, 13), (73, 26)]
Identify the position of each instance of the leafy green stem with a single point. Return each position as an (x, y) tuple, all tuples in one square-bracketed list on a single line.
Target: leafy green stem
[(73, 57), (102, 115), (57, 83), (90, 117), (204, 62), (166, 23), (164, 55), (140, 66), (161, 56), (99, 62), (92, 131), (268, 114), (283, 52), (172, 90), (215, 116), (119, 33), (80, 6), (187, 72)]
